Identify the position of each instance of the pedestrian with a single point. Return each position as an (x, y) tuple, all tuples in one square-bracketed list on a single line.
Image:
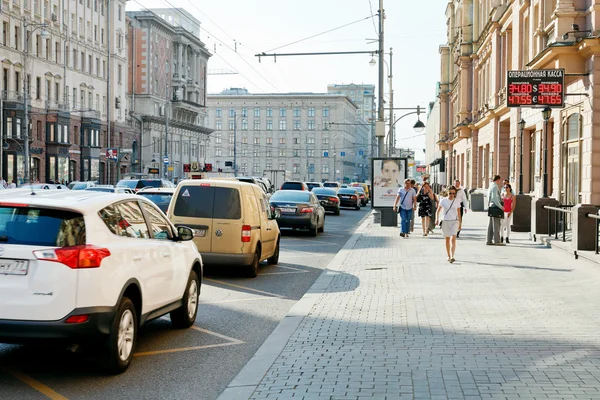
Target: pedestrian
[(510, 202), (504, 183), (495, 212), (451, 221), (461, 198), (413, 185), (2, 182), (405, 204), (426, 199), (12, 185)]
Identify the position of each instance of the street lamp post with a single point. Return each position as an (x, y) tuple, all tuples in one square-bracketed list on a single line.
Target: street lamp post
[(234, 144), (45, 35), (380, 112), (521, 127), (546, 112)]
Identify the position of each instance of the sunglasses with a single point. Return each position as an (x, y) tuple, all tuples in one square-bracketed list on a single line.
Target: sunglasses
[(452, 193)]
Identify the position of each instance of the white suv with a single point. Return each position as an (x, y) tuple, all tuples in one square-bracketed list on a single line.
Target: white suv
[(88, 267)]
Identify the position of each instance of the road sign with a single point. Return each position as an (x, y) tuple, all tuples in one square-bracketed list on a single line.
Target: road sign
[(361, 153), (126, 151), (343, 153), (166, 160), (325, 154), (112, 154), (542, 87), (170, 168)]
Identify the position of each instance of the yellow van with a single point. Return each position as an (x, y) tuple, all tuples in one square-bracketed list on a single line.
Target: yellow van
[(232, 221), (363, 185)]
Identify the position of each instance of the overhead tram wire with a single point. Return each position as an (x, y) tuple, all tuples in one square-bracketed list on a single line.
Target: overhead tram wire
[(372, 19), (226, 62)]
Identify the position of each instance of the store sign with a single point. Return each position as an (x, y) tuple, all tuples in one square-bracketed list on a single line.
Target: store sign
[(153, 171), (112, 154), (536, 88)]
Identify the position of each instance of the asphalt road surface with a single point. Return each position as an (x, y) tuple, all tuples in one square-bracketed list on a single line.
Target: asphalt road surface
[(235, 317)]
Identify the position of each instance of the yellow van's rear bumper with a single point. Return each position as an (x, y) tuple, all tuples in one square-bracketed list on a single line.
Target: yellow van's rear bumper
[(227, 259)]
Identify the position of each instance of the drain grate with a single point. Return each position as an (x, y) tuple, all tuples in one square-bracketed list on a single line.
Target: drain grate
[(374, 269)]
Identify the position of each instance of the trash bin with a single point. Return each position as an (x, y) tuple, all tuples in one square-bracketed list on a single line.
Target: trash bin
[(477, 201)]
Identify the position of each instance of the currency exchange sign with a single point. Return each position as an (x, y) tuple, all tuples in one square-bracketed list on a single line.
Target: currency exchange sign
[(536, 88)]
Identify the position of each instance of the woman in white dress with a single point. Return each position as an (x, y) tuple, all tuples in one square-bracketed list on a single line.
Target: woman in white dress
[(451, 221)]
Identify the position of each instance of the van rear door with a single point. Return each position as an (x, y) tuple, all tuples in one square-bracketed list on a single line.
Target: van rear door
[(194, 208), (227, 221)]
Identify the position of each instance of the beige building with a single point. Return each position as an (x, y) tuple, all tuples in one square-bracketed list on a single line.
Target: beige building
[(481, 136), (67, 58)]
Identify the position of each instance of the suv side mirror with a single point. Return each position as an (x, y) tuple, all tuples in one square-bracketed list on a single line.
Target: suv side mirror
[(184, 233)]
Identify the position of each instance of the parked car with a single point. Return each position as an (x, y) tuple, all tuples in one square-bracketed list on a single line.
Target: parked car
[(76, 185), (363, 197), (349, 197), (159, 196), (328, 199), (332, 185), (111, 189), (137, 184), (312, 185), (294, 185), (91, 268), (232, 221), (298, 209)]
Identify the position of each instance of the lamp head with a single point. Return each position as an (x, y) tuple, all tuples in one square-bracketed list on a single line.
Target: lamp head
[(372, 63), (5, 145), (419, 126), (44, 33), (546, 112), (522, 124)]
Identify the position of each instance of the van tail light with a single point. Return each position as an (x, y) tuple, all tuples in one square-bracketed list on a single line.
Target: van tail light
[(75, 257), (334, 199), (77, 319), (246, 233), (307, 210)]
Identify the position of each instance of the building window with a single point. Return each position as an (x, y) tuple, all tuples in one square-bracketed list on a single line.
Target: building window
[(119, 73), (218, 138), (296, 153), (326, 125), (281, 166), (296, 140), (296, 124), (256, 140), (256, 112), (244, 124), (311, 153), (269, 125), (269, 140), (571, 151), (269, 112), (119, 13), (282, 125), (296, 112), (296, 168), (311, 125), (281, 140), (256, 153), (282, 112), (325, 140), (325, 112), (311, 111), (244, 112), (245, 140), (231, 138), (281, 152), (256, 169), (310, 140), (325, 168), (218, 151), (256, 125), (218, 125), (269, 166), (231, 124), (269, 153), (232, 112), (218, 113)]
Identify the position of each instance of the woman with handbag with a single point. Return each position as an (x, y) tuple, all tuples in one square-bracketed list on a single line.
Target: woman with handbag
[(510, 202), (452, 221), (495, 212)]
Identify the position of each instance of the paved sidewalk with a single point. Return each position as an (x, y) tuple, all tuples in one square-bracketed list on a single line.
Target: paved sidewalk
[(391, 319)]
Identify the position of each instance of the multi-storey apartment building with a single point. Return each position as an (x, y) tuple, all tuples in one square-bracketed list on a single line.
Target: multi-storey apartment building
[(167, 86), (481, 135), (66, 59), (314, 137)]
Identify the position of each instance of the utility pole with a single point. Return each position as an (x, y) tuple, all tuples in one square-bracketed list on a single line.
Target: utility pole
[(392, 139), (166, 165), (108, 86), (234, 143), (307, 170), (380, 111)]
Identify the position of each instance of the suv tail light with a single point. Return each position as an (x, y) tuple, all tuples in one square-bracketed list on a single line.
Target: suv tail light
[(307, 210), (75, 257), (246, 233), (77, 319)]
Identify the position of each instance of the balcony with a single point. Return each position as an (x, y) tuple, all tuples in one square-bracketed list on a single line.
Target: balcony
[(187, 105)]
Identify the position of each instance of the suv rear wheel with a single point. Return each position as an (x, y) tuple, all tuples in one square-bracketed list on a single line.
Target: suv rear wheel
[(122, 339), (184, 316)]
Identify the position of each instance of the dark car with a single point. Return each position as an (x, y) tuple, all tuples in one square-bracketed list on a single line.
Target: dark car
[(363, 196), (294, 185), (137, 184), (159, 196), (328, 199), (298, 209), (312, 185), (349, 197)]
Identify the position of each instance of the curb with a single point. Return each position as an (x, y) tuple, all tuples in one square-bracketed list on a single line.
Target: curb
[(248, 379)]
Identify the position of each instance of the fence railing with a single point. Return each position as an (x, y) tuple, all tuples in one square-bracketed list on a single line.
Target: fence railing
[(597, 218), (563, 216)]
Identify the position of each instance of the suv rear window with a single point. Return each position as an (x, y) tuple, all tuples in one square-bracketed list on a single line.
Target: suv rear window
[(208, 202), (41, 227), (330, 184), (292, 186)]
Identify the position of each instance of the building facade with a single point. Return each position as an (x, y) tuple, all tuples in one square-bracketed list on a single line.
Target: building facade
[(312, 137), (65, 60), (167, 87), (481, 136), (434, 157)]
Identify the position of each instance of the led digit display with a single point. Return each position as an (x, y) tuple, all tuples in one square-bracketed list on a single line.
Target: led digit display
[(535, 88)]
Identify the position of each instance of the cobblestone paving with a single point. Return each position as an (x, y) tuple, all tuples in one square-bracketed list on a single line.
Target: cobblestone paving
[(399, 322)]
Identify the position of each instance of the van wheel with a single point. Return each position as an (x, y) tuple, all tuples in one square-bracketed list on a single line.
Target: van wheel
[(274, 259), (184, 316), (120, 344), (252, 269)]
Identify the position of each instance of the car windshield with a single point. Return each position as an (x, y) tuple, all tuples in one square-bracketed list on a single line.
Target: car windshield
[(128, 183), (41, 227), (290, 195), (79, 186), (313, 185), (162, 200), (322, 191), (292, 186)]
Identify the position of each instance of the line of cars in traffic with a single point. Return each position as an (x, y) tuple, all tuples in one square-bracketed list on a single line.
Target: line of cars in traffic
[(90, 266)]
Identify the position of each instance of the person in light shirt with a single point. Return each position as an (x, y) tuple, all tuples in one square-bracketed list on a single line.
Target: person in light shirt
[(405, 204), (461, 198), (451, 221)]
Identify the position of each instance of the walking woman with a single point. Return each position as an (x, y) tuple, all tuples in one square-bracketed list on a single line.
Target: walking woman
[(426, 199), (510, 202), (451, 221)]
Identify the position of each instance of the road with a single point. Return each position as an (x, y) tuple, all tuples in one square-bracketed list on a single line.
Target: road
[(235, 317)]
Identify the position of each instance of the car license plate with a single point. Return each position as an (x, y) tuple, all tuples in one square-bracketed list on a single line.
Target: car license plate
[(324, 202), (287, 210), (199, 232), (14, 267), (345, 197)]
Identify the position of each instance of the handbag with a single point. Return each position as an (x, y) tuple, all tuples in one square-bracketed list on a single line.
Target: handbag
[(447, 211), (495, 212)]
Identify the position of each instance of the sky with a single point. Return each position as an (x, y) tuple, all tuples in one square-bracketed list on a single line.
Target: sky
[(235, 30)]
